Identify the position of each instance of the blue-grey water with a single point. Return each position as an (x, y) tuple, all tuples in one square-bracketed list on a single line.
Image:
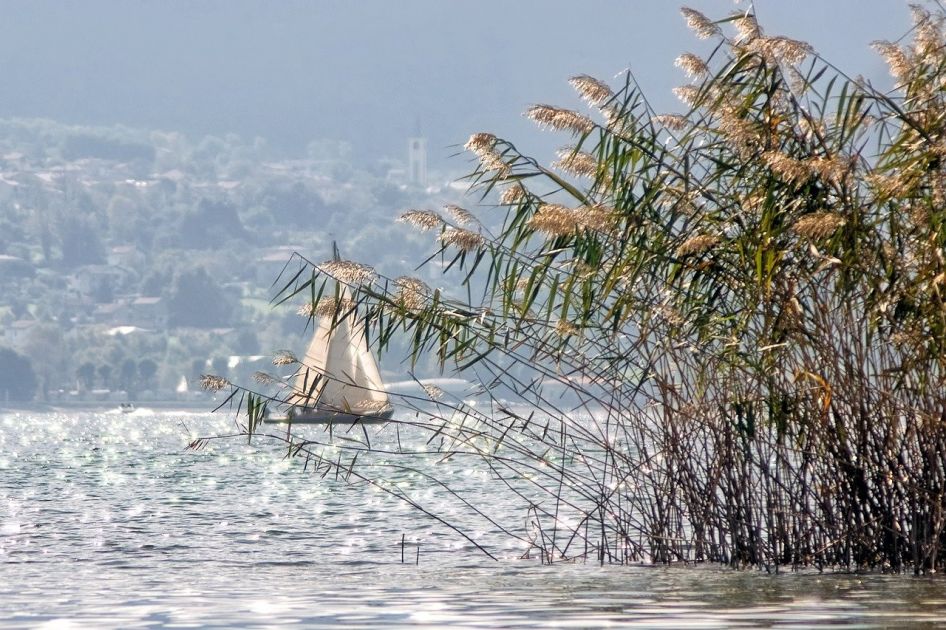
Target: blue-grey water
[(107, 521)]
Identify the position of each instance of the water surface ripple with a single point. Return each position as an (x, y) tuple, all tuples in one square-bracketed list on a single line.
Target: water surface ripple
[(106, 521)]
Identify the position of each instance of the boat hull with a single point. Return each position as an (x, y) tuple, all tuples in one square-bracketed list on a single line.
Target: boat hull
[(328, 416)]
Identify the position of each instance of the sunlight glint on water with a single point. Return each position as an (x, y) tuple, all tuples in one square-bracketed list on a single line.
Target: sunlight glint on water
[(107, 521)]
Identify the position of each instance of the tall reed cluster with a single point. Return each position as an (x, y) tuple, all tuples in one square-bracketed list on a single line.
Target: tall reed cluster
[(730, 322)]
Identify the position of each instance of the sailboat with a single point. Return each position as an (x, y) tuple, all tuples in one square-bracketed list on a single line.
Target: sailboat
[(338, 380)]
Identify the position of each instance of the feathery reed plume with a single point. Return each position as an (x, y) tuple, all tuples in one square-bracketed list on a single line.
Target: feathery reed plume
[(702, 26), (688, 94), (617, 120), (673, 122), (812, 129), (788, 168), (697, 244), (830, 169), (928, 39), (780, 49), (412, 292), (483, 145), (694, 67), (347, 271), (747, 27), (513, 195), (896, 59), (493, 161), (740, 134), (887, 185), (596, 218), (464, 240), (371, 406), (284, 357), (480, 143), (328, 307), (576, 162), (421, 219), (554, 220), (560, 119), (433, 392), (564, 328), (266, 379), (213, 383), (818, 225), (595, 92), (461, 215)]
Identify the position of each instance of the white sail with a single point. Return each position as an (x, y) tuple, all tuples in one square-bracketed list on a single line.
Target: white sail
[(338, 371)]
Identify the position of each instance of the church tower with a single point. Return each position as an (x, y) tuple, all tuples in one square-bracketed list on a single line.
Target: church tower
[(417, 159)]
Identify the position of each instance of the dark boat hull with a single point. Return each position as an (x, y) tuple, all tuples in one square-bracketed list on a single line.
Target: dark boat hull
[(328, 416)]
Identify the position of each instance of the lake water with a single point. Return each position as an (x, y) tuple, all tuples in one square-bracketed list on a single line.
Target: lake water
[(106, 520)]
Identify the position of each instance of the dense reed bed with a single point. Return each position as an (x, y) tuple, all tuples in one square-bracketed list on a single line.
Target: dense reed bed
[(724, 328)]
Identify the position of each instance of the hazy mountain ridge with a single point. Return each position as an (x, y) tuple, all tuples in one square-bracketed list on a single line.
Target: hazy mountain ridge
[(121, 245)]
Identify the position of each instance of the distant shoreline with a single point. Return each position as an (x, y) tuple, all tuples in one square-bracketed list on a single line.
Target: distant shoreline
[(182, 405)]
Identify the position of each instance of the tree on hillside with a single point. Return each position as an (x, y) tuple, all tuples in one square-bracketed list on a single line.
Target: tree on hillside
[(196, 299), (147, 371), (208, 224), (128, 375), (79, 241), (105, 375), (17, 379), (85, 375), (44, 345)]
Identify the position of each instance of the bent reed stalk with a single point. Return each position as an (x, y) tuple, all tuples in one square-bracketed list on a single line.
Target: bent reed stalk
[(725, 329)]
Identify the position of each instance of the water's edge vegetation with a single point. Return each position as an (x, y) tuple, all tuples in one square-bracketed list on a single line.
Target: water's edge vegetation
[(724, 330)]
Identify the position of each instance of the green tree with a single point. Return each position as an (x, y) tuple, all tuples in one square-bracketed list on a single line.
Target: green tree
[(196, 299), (79, 241), (85, 375), (105, 375), (147, 371), (17, 379), (128, 375), (44, 344)]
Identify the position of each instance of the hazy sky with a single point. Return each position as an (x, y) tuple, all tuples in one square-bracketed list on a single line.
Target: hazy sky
[(366, 71)]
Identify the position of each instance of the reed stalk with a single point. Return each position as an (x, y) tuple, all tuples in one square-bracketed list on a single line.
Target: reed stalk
[(724, 329)]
